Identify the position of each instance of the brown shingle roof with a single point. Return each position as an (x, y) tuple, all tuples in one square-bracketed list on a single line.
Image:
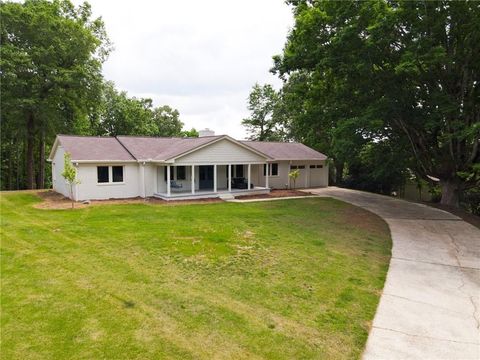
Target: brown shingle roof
[(131, 148), (101, 148), (157, 148), (286, 150)]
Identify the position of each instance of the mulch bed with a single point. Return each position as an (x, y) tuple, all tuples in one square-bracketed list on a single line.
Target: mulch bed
[(275, 194), (54, 200)]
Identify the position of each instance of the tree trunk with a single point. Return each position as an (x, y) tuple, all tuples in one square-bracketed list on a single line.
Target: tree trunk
[(450, 192), (10, 165), (30, 157), (339, 172), (71, 195), (41, 168)]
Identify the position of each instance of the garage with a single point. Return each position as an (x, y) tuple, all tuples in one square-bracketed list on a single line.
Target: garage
[(317, 175)]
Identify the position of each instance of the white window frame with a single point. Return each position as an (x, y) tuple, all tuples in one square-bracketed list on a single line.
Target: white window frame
[(270, 167), (110, 175)]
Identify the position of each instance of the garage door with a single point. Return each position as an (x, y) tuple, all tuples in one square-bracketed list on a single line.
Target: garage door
[(316, 175)]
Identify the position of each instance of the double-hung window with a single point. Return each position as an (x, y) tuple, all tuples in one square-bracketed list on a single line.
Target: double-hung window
[(117, 174), (272, 169), (109, 174), (102, 174)]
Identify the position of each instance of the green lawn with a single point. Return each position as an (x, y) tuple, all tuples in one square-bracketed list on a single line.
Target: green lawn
[(291, 279)]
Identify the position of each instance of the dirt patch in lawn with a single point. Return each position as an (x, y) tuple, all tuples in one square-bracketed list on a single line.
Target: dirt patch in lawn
[(54, 200), (363, 219), (275, 194)]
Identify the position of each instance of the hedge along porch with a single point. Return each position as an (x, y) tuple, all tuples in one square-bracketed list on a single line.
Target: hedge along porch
[(210, 166)]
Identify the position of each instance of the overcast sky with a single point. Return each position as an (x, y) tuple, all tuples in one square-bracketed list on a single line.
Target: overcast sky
[(200, 57)]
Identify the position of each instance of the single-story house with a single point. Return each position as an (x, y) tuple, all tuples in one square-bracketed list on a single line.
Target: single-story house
[(207, 166)]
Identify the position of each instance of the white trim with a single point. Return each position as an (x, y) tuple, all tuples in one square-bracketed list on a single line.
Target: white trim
[(215, 178), (110, 175), (301, 159), (168, 180), (110, 183), (224, 137), (249, 172), (142, 179), (54, 149), (104, 161), (192, 176), (229, 177), (266, 174)]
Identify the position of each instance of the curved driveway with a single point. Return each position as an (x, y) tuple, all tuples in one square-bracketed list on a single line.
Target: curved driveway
[(430, 306)]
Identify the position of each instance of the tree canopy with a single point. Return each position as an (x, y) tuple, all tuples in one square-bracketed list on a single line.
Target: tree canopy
[(52, 53), (119, 114), (262, 124), (51, 82), (402, 72)]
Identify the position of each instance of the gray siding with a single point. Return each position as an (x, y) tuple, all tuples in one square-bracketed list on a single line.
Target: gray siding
[(221, 152)]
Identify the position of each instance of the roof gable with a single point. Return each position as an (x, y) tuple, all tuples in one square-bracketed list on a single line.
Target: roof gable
[(222, 150), (228, 139)]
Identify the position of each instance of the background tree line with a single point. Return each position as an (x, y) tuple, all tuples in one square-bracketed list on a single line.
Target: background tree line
[(51, 82), (388, 89)]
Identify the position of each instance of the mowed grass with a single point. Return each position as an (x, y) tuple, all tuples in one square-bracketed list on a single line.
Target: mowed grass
[(290, 279)]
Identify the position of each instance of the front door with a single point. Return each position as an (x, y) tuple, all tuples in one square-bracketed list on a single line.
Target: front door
[(206, 177)]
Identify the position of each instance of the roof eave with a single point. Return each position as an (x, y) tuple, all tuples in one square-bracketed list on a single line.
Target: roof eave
[(54, 149), (102, 161)]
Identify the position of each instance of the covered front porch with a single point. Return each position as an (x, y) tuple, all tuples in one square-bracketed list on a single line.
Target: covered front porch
[(195, 181)]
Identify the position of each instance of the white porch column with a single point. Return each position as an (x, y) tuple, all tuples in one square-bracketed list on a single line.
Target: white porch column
[(142, 180), (249, 175), (215, 178), (192, 175), (229, 177), (168, 180), (267, 168)]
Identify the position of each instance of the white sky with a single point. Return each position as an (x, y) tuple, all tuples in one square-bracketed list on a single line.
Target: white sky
[(200, 57)]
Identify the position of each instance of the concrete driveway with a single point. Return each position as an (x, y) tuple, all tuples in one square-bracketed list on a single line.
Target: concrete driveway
[(430, 306)]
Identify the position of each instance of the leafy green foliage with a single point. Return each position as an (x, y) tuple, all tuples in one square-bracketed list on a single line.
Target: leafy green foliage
[(377, 168), (52, 54), (51, 83), (119, 114), (262, 125), (361, 72), (69, 173), (293, 175)]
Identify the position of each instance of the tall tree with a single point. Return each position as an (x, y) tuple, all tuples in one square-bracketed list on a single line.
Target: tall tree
[(261, 124), (401, 70), (119, 114), (167, 121), (51, 77)]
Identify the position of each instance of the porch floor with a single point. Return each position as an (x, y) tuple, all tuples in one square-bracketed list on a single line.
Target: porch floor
[(204, 194)]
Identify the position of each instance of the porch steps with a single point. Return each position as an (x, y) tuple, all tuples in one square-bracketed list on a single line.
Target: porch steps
[(226, 197)]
